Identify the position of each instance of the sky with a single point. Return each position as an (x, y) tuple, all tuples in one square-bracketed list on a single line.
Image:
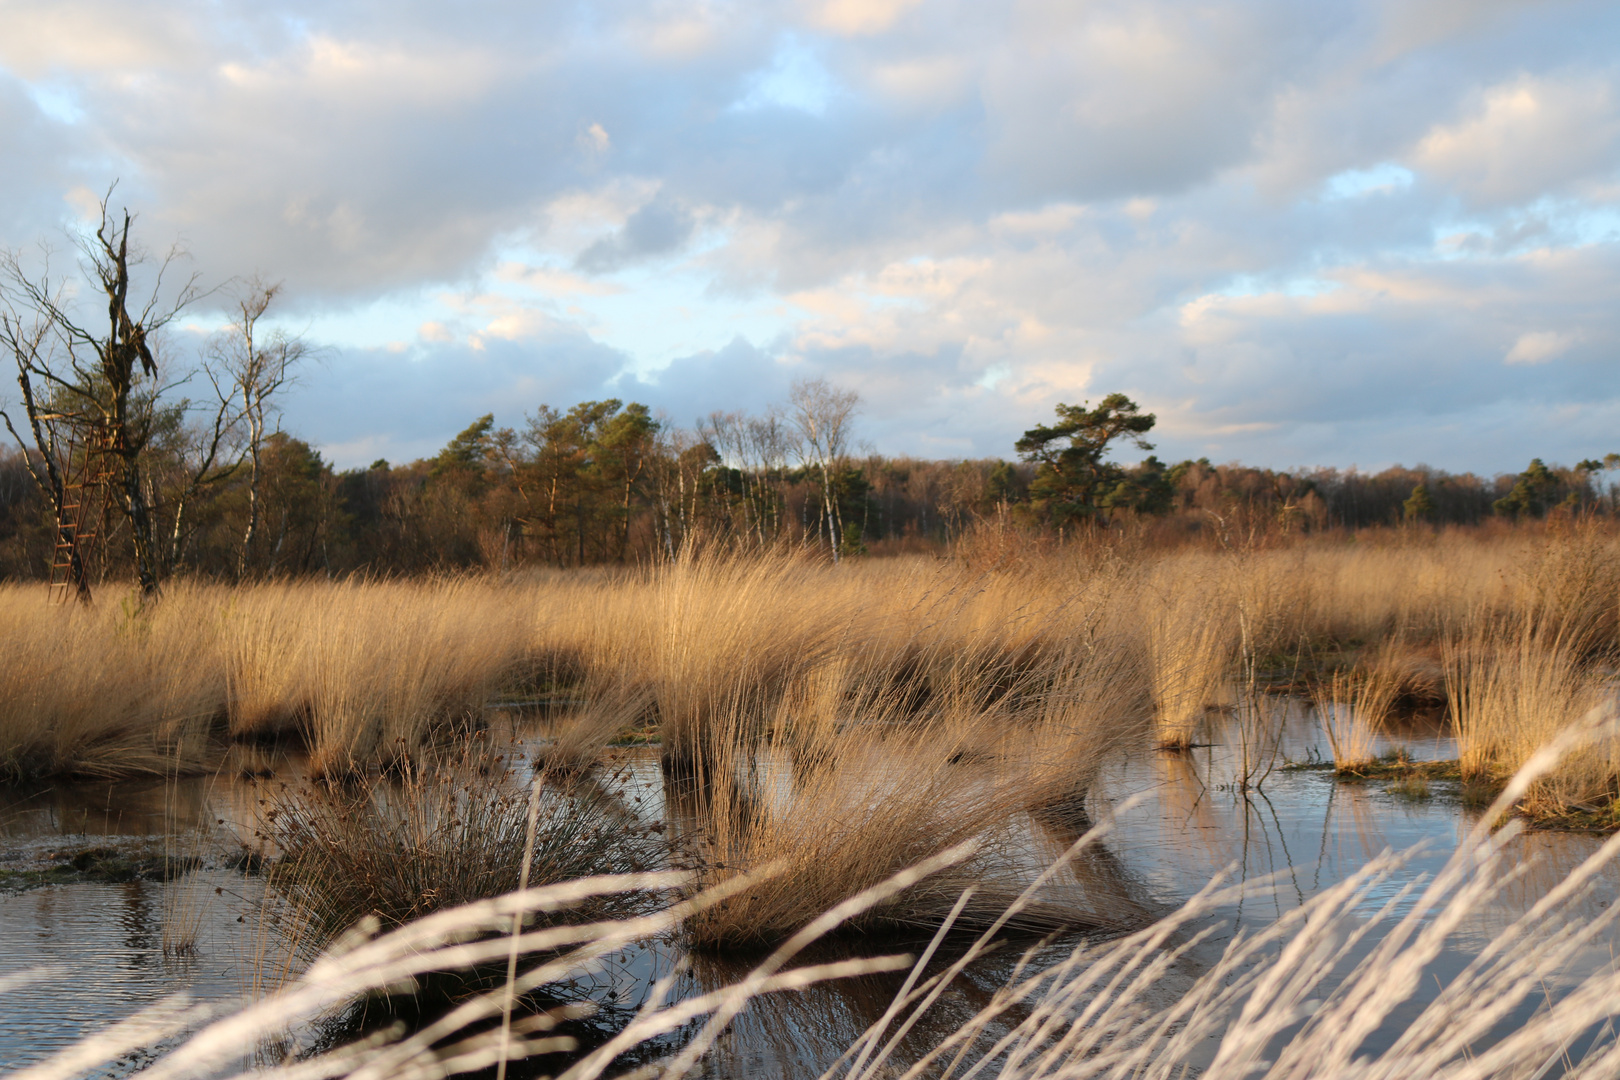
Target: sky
[(1337, 233)]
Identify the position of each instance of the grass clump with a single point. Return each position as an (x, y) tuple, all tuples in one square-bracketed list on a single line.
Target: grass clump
[(1353, 706), (398, 847), (111, 690), (1414, 787), (1193, 642), (1515, 685)]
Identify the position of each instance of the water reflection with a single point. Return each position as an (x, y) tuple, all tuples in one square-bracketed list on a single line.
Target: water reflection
[(146, 807), (1236, 804)]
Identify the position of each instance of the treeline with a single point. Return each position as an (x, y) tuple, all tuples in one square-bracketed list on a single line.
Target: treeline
[(607, 482)]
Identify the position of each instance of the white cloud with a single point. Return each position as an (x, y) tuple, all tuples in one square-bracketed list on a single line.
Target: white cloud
[(1254, 216), (1526, 138), (856, 17), (1539, 347)]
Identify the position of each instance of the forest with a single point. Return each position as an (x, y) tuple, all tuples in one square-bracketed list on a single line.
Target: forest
[(608, 482), (134, 459)]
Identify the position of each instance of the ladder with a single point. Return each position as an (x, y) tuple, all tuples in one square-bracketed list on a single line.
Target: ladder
[(84, 487)]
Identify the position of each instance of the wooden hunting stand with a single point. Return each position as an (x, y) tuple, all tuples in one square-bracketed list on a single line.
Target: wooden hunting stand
[(86, 467)]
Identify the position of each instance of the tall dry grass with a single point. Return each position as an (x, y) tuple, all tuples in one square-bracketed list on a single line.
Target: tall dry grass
[(1516, 685), (768, 649), (1193, 641), (835, 822), (1523, 670), (112, 690), (370, 671), (1353, 705)]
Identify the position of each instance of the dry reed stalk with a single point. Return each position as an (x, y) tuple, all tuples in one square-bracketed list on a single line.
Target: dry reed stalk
[(1514, 686), (110, 690), (1192, 639), (1353, 705)]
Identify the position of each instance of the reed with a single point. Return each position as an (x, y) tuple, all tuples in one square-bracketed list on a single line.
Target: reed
[(1354, 704), (847, 825), (755, 648), (606, 709), (110, 690), (1193, 641), (1515, 685), (858, 783), (392, 667)]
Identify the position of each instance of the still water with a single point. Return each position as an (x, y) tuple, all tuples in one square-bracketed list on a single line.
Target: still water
[(1175, 819)]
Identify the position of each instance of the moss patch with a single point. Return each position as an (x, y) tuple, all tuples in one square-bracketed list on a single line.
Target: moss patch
[(113, 865)]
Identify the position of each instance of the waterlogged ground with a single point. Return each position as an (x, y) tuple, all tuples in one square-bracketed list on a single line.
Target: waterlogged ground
[(107, 934)]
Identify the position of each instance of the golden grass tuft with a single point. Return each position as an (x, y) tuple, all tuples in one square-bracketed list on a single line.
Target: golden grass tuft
[(1354, 704), (830, 825), (110, 690), (1193, 640), (607, 709), (1514, 686)]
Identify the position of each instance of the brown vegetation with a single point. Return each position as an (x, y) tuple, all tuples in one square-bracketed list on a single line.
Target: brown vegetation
[(721, 656), (440, 834)]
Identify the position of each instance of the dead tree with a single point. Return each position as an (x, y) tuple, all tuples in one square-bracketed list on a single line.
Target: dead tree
[(28, 339), (250, 368), (101, 386)]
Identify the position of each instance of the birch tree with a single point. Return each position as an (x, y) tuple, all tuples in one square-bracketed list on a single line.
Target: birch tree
[(250, 368), (822, 414)]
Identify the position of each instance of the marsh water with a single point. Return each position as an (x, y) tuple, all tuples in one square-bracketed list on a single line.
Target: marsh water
[(100, 950)]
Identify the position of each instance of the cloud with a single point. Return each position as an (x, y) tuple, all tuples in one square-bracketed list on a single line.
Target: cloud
[(659, 228), (360, 404), (1539, 347), (755, 378), (1299, 232), (1527, 138), (1122, 100), (857, 17)]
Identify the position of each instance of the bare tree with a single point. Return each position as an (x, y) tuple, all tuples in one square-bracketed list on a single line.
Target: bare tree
[(822, 413), (28, 338), (249, 368), (98, 388)]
